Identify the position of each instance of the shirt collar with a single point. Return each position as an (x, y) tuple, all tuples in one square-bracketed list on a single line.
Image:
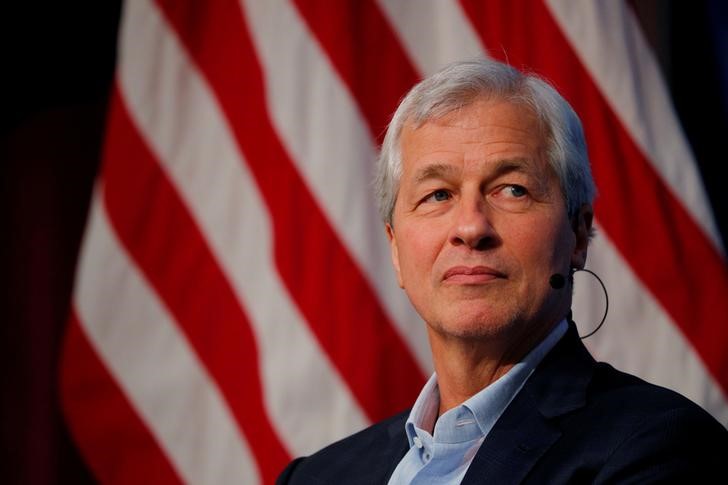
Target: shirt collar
[(485, 407)]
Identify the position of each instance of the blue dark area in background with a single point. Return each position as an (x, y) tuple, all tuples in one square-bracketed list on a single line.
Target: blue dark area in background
[(57, 67), (697, 59), (718, 16)]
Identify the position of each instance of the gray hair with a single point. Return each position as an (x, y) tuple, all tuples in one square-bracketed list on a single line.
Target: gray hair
[(462, 83)]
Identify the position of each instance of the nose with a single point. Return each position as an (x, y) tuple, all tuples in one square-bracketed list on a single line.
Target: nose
[(473, 227)]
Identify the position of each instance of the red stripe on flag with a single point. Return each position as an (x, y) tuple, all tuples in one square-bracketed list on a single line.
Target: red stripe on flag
[(100, 418), (326, 284), (367, 54), (654, 233), (154, 225)]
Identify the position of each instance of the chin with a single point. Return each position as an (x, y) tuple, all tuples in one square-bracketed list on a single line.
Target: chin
[(476, 325)]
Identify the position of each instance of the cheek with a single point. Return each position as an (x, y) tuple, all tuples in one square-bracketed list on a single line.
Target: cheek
[(541, 247), (417, 253)]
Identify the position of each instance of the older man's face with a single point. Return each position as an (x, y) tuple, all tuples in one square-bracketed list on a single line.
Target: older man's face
[(480, 223)]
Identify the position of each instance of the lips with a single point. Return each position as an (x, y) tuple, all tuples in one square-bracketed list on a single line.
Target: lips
[(471, 274)]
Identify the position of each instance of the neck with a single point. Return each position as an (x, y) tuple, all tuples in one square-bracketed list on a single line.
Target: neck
[(465, 366)]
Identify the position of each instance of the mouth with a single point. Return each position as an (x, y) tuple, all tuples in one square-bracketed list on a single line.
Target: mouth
[(472, 275)]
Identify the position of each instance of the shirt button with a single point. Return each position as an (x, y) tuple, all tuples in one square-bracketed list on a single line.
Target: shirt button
[(417, 441)]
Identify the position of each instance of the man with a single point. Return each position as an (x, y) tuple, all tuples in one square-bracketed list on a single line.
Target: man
[(486, 193)]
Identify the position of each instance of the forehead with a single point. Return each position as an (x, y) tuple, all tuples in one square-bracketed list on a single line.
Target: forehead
[(483, 131)]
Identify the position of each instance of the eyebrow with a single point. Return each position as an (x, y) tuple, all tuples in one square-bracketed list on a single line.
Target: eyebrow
[(502, 167), (435, 171), (510, 165)]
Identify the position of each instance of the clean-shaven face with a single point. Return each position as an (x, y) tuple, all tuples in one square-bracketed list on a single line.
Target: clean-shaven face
[(480, 223)]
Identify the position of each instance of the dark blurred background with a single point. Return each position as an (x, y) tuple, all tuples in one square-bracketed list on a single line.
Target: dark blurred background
[(57, 68)]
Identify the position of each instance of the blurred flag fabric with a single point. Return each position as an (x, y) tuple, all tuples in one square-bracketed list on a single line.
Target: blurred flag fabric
[(234, 303)]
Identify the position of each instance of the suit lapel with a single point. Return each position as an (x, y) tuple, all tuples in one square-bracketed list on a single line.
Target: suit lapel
[(526, 430), (378, 458), (396, 448)]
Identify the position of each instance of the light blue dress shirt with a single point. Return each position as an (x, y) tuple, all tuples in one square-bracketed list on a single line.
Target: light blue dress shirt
[(445, 455)]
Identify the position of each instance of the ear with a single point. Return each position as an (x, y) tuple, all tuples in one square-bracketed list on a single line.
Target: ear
[(581, 223), (394, 252)]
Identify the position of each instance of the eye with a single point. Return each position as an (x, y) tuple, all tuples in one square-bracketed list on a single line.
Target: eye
[(516, 190), (511, 198), (439, 195)]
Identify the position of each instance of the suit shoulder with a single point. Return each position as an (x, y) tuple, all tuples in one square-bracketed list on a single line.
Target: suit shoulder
[(621, 406), (665, 436), (630, 431), (636, 397)]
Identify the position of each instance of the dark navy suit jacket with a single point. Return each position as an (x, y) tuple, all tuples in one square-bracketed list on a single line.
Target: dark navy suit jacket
[(574, 421)]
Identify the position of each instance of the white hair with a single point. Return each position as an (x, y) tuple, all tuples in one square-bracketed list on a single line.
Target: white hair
[(461, 84)]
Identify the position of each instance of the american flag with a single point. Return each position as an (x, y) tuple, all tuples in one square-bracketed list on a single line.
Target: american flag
[(235, 304)]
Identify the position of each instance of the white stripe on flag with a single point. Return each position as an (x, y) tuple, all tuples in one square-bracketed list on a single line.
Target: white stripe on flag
[(330, 145), (434, 32), (130, 330), (638, 336), (187, 132), (608, 40)]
